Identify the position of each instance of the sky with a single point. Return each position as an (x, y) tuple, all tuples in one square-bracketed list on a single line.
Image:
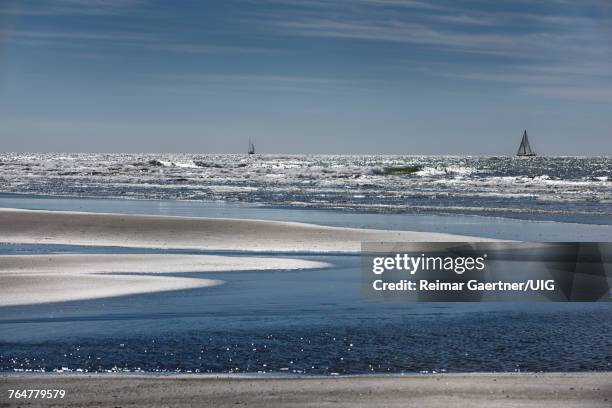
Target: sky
[(306, 76)]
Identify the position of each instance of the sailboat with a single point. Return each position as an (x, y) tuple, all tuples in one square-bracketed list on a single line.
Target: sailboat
[(251, 148), (525, 149)]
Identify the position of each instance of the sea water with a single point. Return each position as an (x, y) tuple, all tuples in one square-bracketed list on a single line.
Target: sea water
[(570, 189), (296, 322), (300, 322)]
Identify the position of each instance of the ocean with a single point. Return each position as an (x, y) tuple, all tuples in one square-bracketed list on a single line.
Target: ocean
[(311, 322), (564, 189)]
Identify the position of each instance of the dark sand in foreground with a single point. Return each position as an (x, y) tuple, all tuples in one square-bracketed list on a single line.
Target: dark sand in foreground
[(448, 390)]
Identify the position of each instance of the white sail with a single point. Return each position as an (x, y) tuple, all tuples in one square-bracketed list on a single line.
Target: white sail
[(251, 148), (525, 148)]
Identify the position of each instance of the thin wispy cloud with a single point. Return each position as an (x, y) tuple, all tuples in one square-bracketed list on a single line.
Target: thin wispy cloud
[(546, 37), (591, 82), (77, 35), (219, 83), (574, 93), (554, 83), (69, 7), (441, 27), (412, 33), (183, 48), (139, 40)]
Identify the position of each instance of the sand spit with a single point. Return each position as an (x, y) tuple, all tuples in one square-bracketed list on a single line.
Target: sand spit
[(31, 279), (74, 228)]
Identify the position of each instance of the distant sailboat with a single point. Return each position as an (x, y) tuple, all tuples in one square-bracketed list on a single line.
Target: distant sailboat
[(525, 149), (251, 148)]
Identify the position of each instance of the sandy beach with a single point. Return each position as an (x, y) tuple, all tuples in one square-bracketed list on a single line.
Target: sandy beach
[(75, 228), (52, 278), (456, 390), (32, 279)]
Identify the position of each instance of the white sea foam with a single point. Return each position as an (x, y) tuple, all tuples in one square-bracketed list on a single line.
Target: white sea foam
[(445, 171), (440, 184)]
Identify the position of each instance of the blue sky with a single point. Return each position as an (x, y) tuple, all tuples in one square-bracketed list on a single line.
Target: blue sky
[(306, 76)]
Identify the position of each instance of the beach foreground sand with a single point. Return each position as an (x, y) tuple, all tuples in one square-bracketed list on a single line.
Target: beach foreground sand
[(448, 390)]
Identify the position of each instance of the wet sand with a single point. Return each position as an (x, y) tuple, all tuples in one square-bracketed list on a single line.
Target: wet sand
[(32, 279), (75, 228), (53, 278), (448, 390)]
